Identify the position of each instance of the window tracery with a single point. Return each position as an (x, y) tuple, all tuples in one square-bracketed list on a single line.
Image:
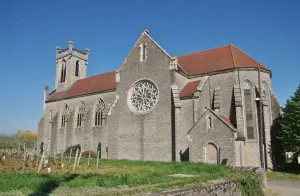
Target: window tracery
[(249, 109), (143, 96), (100, 106), (81, 114), (64, 115)]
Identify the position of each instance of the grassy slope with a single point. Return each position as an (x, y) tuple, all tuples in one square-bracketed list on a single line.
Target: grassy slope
[(283, 176), (115, 176)]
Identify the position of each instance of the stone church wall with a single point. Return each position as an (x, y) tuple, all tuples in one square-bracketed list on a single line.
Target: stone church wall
[(219, 135), (252, 152), (184, 122), (145, 137), (61, 138), (225, 81)]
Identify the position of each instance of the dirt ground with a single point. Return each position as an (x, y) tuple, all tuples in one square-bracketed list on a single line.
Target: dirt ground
[(283, 188)]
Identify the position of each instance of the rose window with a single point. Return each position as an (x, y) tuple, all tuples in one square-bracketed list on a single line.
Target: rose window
[(143, 96)]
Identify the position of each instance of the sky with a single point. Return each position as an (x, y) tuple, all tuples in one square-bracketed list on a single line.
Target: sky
[(30, 30)]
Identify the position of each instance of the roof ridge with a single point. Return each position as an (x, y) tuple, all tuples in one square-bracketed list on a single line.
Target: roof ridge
[(230, 48), (202, 51), (246, 55), (217, 115), (221, 118), (163, 50)]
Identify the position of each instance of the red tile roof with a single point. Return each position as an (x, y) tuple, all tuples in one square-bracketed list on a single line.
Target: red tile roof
[(93, 84), (202, 62), (216, 59), (227, 120), (27, 133), (189, 89)]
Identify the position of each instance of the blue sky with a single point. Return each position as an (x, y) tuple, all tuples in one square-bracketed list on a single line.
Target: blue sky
[(30, 30)]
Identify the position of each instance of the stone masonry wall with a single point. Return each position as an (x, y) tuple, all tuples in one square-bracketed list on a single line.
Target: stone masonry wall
[(212, 188), (219, 135), (59, 139), (144, 137)]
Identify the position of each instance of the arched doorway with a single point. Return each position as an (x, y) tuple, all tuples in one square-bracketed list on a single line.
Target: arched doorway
[(211, 153)]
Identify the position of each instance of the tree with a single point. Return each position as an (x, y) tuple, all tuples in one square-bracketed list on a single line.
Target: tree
[(290, 123)]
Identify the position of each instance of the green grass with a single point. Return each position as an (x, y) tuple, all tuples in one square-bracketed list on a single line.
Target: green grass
[(283, 176), (121, 175)]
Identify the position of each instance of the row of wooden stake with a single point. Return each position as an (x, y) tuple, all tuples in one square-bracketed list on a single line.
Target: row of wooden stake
[(76, 161)]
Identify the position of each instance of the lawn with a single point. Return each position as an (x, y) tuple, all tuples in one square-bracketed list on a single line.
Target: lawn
[(287, 175), (117, 177)]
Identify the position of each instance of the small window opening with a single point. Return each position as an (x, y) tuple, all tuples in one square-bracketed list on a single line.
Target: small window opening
[(209, 122), (63, 121), (143, 52), (77, 68), (63, 72)]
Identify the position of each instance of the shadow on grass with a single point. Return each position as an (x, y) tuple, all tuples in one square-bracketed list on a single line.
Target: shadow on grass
[(49, 186)]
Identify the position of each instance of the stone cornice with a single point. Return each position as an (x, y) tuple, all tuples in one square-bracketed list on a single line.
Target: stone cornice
[(221, 72), (175, 92), (75, 53)]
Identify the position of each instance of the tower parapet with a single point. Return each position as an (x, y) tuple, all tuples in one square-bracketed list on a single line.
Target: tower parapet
[(72, 51), (70, 66)]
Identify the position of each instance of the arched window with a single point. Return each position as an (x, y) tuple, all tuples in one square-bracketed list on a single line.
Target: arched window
[(209, 122), (249, 109), (77, 68), (63, 71), (100, 106), (80, 114), (143, 51), (64, 114)]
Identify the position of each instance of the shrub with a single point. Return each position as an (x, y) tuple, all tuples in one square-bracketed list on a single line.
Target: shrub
[(85, 154), (74, 148)]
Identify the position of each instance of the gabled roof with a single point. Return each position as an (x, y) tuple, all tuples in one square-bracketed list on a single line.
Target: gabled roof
[(189, 89), (217, 59), (212, 60), (225, 120), (93, 84)]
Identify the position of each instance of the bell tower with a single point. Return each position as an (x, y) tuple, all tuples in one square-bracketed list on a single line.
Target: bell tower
[(70, 66)]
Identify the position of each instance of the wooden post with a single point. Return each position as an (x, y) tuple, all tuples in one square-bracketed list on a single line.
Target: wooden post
[(79, 157), (61, 158), (24, 160), (89, 158), (24, 147), (54, 157), (41, 162), (97, 159), (75, 162), (70, 156)]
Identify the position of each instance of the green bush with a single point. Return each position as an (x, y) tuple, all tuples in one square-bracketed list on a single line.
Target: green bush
[(85, 154), (74, 148)]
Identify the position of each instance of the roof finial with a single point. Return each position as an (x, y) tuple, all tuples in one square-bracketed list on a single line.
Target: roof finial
[(145, 31), (71, 44)]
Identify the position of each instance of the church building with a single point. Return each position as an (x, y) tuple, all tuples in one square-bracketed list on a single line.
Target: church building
[(213, 106)]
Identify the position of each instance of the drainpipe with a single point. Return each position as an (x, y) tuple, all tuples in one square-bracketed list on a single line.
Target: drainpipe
[(262, 147)]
